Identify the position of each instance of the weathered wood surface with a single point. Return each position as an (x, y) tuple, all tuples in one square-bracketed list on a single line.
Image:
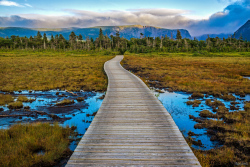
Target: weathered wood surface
[(131, 128)]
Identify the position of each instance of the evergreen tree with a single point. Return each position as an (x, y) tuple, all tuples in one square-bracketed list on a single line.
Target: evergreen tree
[(100, 35), (72, 37), (80, 37), (39, 36), (45, 40), (178, 36), (52, 40)]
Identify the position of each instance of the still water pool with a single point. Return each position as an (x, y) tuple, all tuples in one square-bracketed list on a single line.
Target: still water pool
[(175, 103)]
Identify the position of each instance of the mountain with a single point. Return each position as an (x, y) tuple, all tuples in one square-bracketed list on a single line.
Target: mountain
[(221, 36), (127, 32), (244, 31)]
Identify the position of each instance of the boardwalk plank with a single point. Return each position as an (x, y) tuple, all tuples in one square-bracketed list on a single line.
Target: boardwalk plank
[(131, 128)]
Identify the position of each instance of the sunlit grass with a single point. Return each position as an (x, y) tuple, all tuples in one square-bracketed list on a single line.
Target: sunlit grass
[(221, 73), (65, 102), (5, 99), (22, 70), (21, 144), (15, 105), (24, 99)]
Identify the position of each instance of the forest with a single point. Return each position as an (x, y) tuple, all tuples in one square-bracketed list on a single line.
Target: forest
[(117, 43)]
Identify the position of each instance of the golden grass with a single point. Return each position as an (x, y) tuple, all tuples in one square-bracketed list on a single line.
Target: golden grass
[(222, 157), (20, 145), (195, 103), (184, 72), (65, 102), (24, 70), (24, 99), (5, 99), (15, 105)]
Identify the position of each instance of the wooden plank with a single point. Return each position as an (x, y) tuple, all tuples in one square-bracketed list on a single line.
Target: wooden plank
[(131, 128)]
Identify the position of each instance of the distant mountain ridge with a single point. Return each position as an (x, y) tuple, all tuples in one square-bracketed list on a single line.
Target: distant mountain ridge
[(244, 31), (205, 36), (127, 32)]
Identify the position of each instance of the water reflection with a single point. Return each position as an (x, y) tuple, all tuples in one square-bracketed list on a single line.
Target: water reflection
[(71, 115), (175, 103)]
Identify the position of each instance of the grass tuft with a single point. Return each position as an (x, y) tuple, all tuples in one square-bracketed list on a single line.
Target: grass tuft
[(195, 103), (65, 102), (5, 99), (80, 99), (20, 145), (15, 105), (24, 99)]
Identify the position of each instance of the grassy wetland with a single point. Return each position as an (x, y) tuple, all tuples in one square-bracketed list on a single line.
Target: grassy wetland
[(37, 144), (41, 88), (219, 76), (215, 73), (33, 70)]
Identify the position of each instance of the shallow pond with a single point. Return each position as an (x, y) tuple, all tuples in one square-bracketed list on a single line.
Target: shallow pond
[(71, 115), (77, 114), (175, 103)]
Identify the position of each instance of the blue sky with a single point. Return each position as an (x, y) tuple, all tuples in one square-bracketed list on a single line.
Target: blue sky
[(198, 16), (196, 7)]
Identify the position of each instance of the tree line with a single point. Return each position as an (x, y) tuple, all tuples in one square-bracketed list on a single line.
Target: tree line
[(116, 43)]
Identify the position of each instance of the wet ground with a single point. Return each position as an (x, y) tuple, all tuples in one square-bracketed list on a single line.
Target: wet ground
[(44, 109), (175, 103), (80, 114)]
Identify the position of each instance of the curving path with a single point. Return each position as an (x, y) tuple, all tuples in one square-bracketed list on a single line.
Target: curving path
[(131, 128)]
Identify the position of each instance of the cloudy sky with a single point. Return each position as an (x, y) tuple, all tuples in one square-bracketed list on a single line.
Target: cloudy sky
[(197, 16)]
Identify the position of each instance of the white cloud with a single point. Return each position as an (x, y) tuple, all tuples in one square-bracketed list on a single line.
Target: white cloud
[(226, 21), (28, 5), (9, 3)]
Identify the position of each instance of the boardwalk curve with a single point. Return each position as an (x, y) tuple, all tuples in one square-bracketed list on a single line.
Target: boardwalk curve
[(131, 128)]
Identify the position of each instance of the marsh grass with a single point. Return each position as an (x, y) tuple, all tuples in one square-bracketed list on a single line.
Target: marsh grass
[(217, 74), (65, 102), (195, 103), (215, 103), (207, 113), (73, 71), (228, 97), (25, 99), (80, 99), (233, 131), (15, 105), (5, 99), (247, 106), (20, 144)]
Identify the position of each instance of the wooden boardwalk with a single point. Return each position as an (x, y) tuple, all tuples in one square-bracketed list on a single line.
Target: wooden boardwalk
[(131, 128)]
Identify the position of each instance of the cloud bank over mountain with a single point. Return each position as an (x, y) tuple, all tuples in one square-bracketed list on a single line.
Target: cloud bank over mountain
[(226, 21)]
